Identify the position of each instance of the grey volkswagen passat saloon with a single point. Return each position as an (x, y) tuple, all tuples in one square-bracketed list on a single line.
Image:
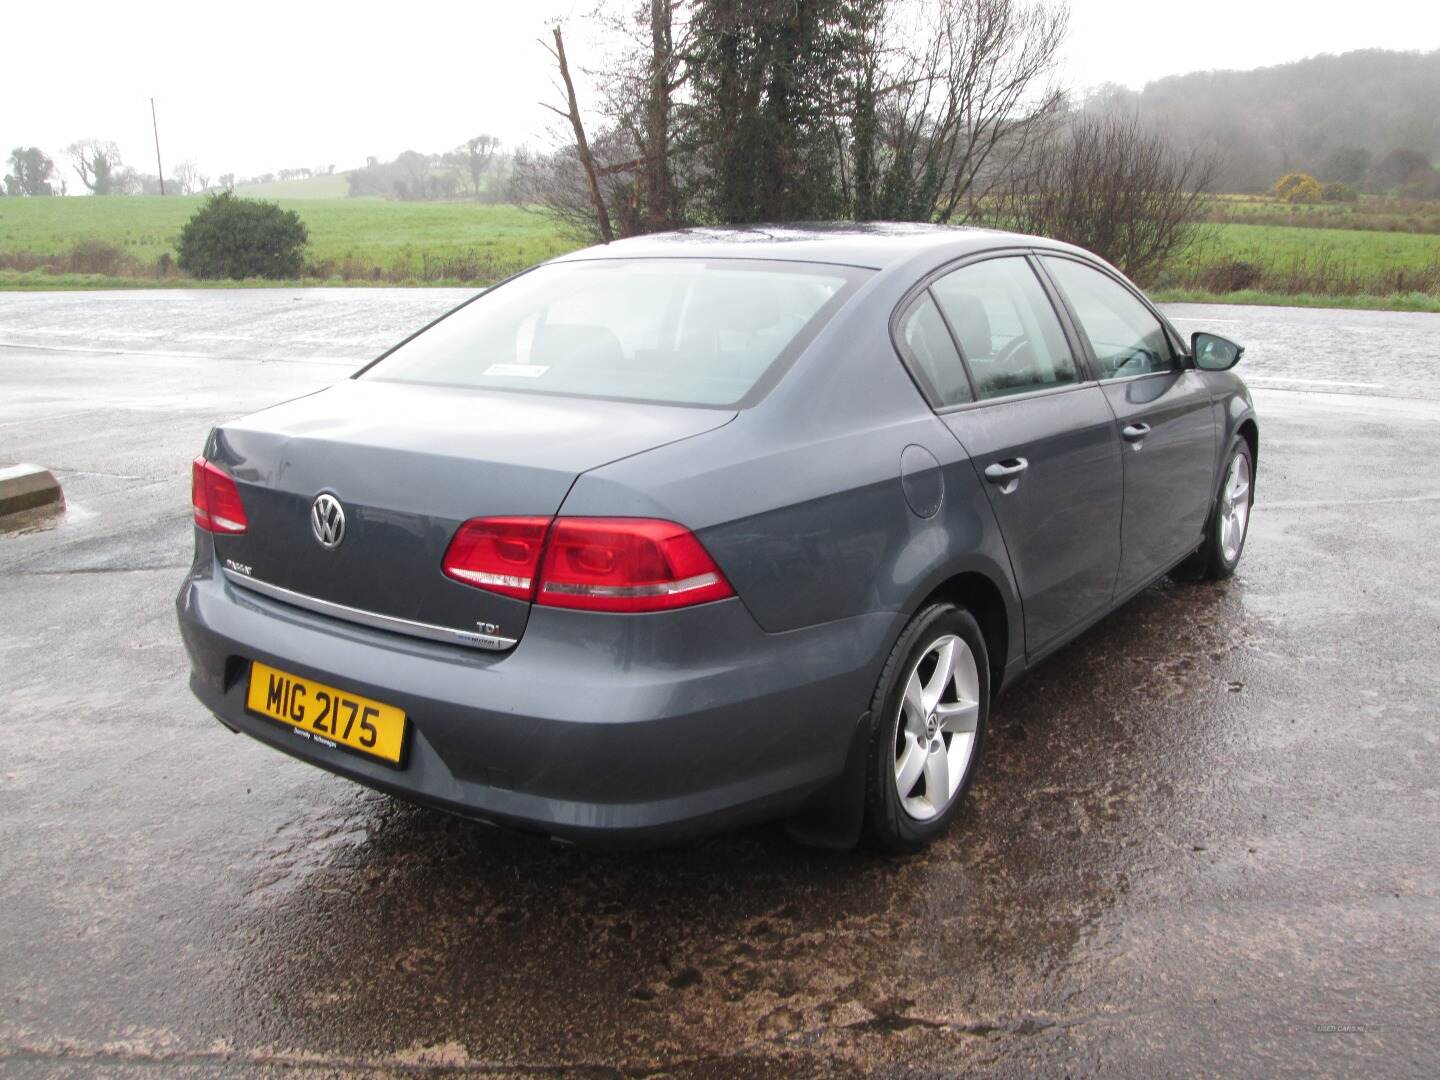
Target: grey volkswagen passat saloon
[(712, 526)]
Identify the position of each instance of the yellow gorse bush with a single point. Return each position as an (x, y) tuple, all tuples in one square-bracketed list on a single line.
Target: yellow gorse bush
[(1298, 187)]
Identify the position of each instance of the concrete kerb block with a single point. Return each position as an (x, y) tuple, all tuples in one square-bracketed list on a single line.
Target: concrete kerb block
[(25, 487)]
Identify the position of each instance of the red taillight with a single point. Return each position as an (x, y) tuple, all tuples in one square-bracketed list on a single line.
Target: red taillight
[(599, 564), (627, 564), (216, 499), (499, 554)]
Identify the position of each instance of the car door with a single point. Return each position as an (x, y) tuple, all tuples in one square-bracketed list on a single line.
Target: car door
[(1163, 412), (1007, 383)]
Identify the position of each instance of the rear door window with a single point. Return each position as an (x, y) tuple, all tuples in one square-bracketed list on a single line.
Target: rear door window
[(1007, 329), (927, 339)]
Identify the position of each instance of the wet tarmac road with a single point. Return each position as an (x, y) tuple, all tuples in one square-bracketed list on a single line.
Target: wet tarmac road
[(1203, 839)]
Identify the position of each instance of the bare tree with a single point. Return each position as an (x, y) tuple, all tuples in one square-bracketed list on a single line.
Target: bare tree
[(560, 184), (638, 87), (639, 65), (582, 146), (96, 162), (1109, 184), (959, 89), (125, 180), (186, 176)]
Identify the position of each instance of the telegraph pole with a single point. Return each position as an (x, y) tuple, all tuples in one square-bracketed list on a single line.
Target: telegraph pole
[(155, 124)]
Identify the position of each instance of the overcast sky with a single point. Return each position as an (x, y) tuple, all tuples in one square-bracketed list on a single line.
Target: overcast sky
[(262, 86)]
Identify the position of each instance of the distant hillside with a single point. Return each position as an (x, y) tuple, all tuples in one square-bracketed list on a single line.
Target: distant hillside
[(1312, 115)]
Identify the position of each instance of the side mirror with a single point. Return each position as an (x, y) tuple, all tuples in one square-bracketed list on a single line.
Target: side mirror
[(1214, 353)]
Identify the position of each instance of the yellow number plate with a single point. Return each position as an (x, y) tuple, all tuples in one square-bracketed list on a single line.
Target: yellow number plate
[(326, 715)]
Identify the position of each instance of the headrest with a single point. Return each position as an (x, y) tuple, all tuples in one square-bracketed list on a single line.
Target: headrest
[(972, 326)]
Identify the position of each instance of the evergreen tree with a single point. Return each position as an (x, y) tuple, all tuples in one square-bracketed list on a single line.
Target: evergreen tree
[(764, 118)]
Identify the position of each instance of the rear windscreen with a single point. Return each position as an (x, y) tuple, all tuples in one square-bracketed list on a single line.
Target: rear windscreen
[(675, 331)]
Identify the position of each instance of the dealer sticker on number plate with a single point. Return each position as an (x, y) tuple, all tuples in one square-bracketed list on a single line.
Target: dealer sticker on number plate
[(323, 714)]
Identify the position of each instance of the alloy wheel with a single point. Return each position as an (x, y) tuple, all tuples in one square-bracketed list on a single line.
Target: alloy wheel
[(935, 731), (1235, 507)]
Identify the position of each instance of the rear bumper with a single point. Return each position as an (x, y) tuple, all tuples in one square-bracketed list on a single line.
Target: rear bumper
[(620, 728)]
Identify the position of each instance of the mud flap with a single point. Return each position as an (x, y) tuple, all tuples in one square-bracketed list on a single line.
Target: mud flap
[(835, 815)]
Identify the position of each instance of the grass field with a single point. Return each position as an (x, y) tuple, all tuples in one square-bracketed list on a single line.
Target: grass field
[(1289, 259), (1372, 252), (377, 241), (366, 240)]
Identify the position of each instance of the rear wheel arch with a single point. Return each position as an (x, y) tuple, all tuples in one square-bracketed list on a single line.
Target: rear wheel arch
[(835, 817), (982, 597)]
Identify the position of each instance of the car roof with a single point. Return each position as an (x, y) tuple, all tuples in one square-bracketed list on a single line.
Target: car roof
[(875, 245)]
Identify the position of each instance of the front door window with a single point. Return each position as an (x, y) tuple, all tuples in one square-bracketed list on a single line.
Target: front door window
[(1125, 336)]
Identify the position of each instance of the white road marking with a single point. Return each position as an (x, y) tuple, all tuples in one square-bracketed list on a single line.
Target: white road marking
[(1307, 504), (1271, 380)]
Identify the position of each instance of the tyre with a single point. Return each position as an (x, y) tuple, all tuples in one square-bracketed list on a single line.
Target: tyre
[(1229, 521), (930, 710)]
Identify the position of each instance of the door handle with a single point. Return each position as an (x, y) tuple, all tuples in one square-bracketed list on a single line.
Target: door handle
[(1006, 473), (1135, 432)]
